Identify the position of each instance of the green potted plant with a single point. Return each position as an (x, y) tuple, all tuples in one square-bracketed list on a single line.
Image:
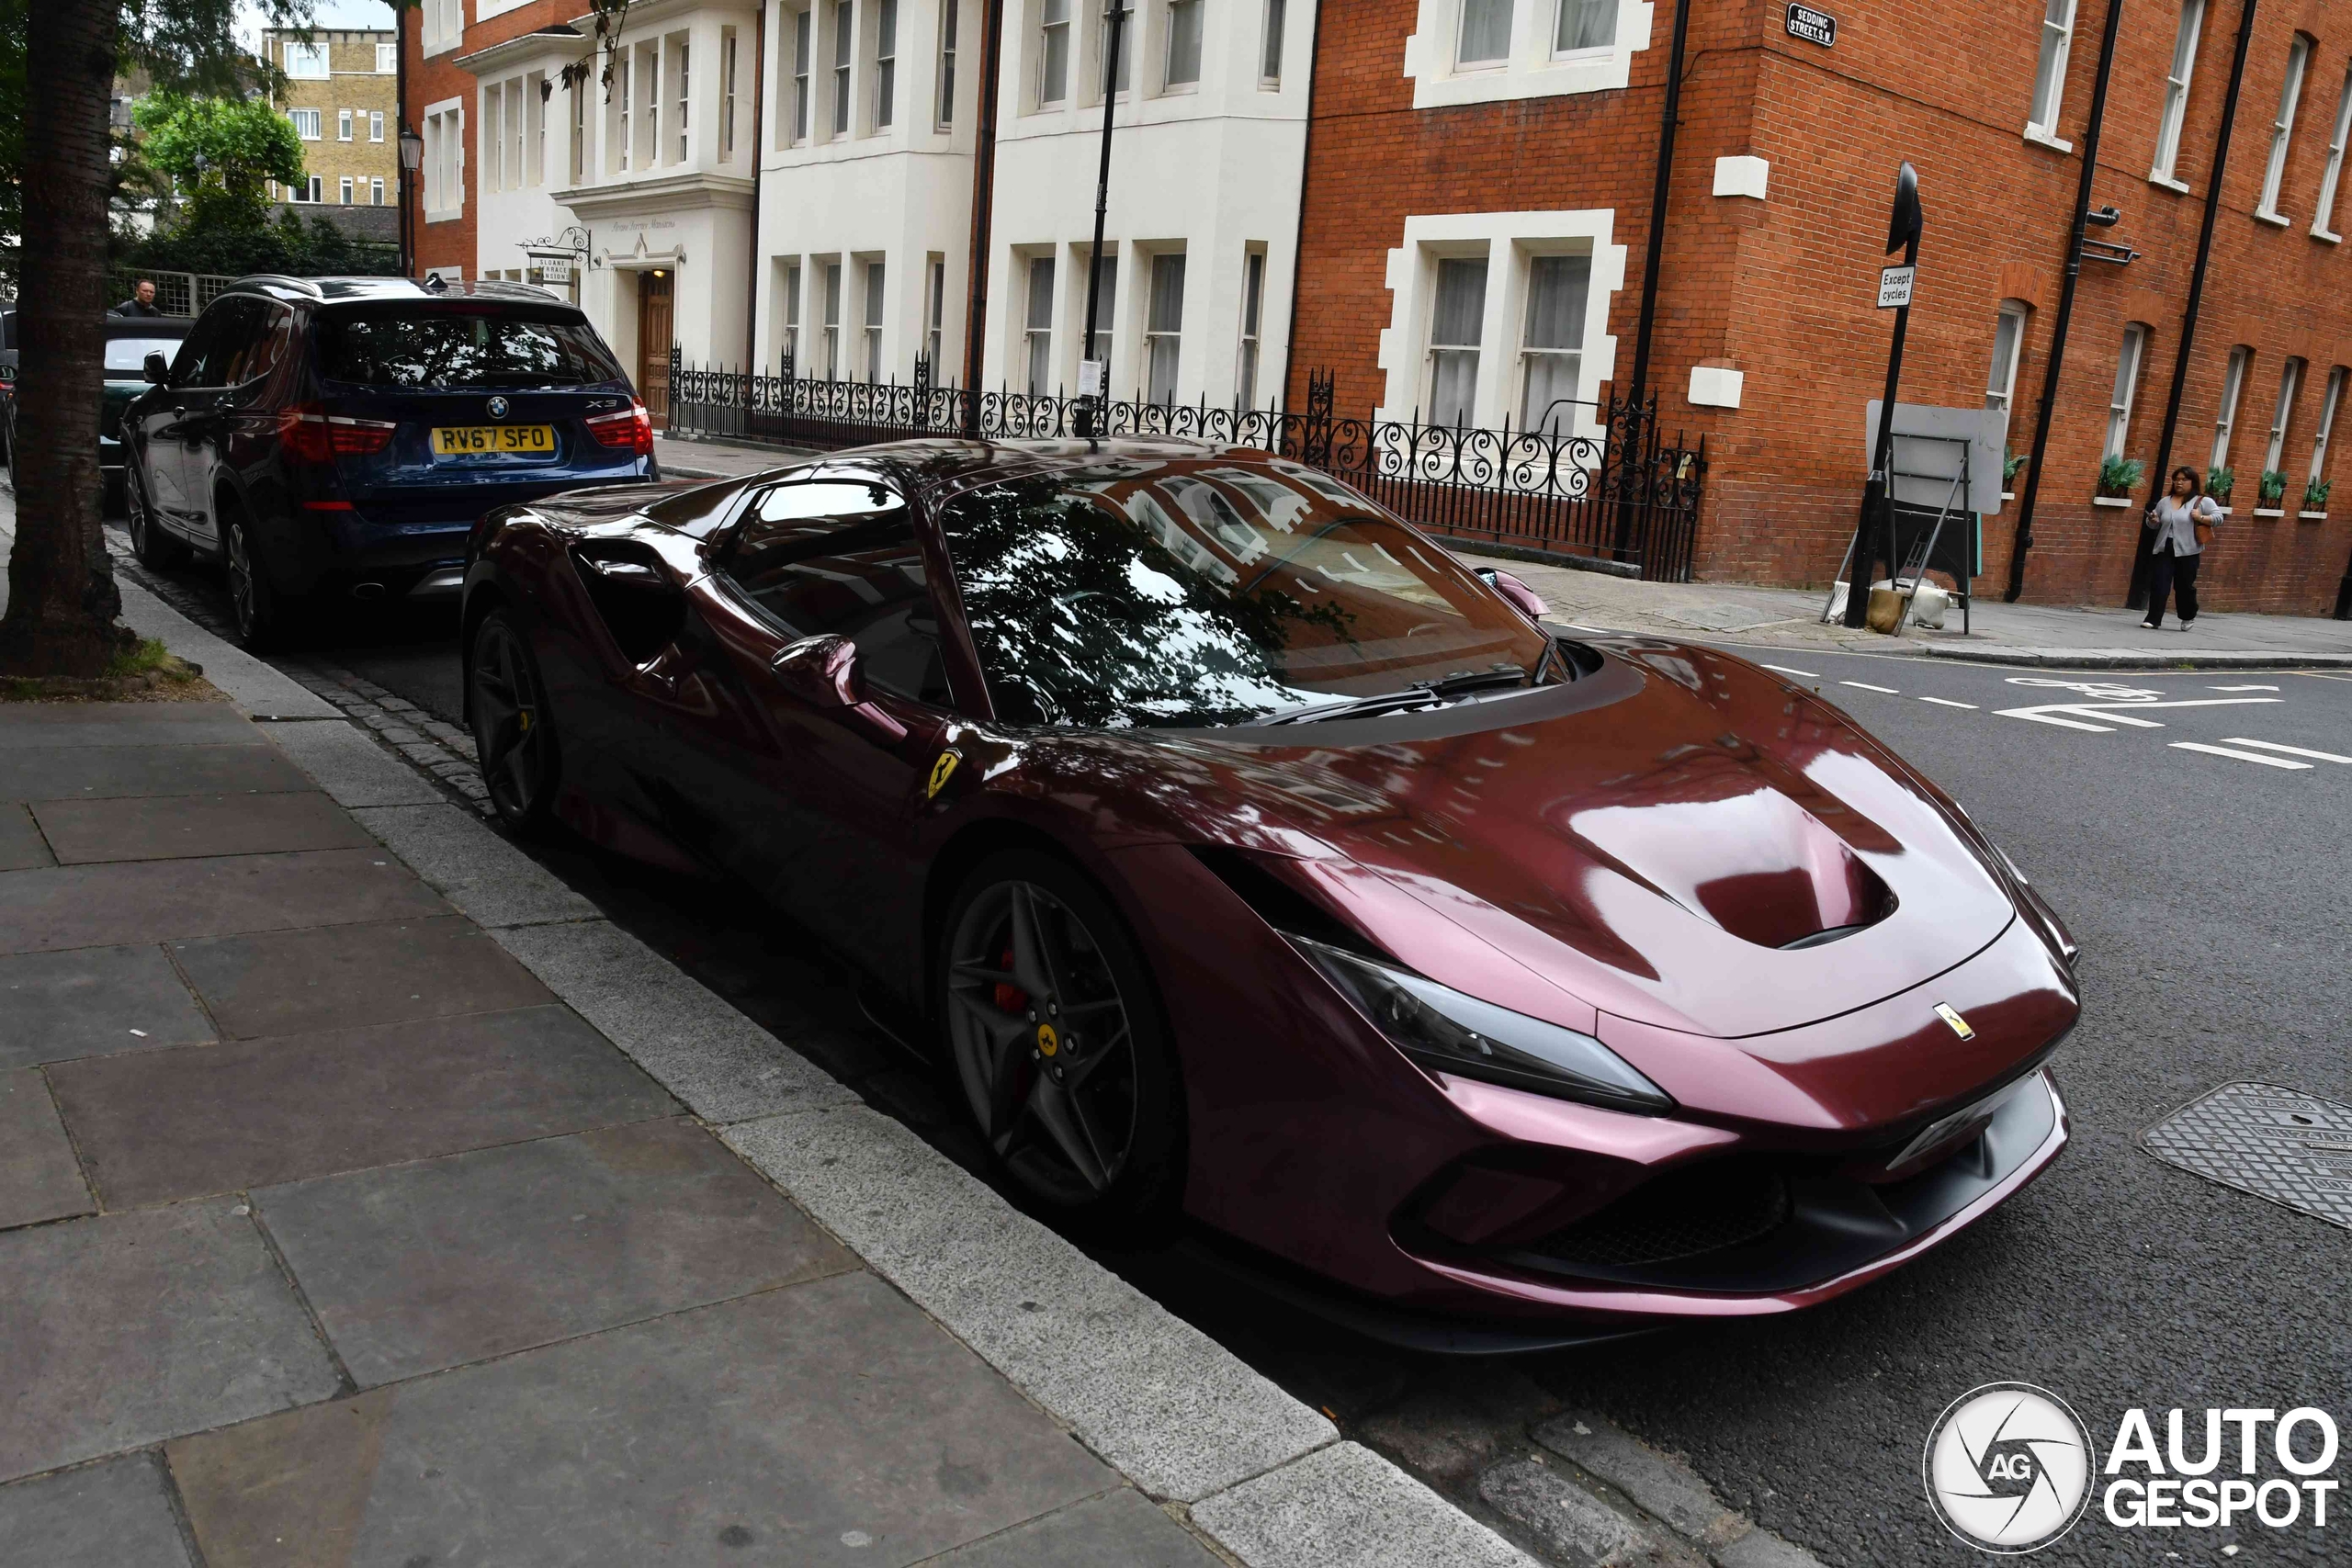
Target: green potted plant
[(2218, 482), (2315, 495), (2120, 476), (2274, 488)]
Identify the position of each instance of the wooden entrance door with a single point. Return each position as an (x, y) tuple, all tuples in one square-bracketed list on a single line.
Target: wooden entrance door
[(654, 329)]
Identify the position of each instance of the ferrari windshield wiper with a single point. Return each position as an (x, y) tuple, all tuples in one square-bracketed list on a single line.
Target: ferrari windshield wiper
[(1421, 694)]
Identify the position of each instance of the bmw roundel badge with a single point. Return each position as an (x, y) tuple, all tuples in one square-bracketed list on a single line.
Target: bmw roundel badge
[(498, 408)]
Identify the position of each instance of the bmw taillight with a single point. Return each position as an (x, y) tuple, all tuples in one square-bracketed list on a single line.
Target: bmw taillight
[(310, 434), (629, 430)]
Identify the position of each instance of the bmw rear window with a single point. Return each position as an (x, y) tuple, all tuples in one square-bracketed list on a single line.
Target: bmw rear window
[(461, 346)]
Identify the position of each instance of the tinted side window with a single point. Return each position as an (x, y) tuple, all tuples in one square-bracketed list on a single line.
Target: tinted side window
[(840, 558), (187, 367), (264, 345)]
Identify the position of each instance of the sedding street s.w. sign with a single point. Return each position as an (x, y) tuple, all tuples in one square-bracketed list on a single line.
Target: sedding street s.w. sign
[(1816, 27)]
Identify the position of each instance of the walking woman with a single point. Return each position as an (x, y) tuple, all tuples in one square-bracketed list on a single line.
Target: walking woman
[(2183, 521)]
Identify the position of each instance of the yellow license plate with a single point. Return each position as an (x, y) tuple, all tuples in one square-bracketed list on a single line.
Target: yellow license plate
[(465, 440)]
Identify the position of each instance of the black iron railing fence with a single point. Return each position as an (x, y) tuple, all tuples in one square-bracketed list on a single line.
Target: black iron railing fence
[(1626, 494)]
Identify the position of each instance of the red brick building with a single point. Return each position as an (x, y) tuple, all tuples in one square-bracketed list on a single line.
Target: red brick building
[(1478, 201)]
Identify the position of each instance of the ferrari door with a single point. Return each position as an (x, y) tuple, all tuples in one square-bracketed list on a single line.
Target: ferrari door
[(823, 798)]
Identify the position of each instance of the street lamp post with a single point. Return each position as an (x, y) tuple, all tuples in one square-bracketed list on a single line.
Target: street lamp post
[(1093, 383), (411, 160), (1875, 531)]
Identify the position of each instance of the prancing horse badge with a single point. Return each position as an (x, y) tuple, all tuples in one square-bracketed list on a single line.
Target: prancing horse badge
[(941, 771)]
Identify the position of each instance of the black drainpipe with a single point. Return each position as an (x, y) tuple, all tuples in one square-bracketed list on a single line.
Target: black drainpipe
[(2138, 596), (1306, 164), (1637, 434), (2057, 359), (759, 170), (983, 213)]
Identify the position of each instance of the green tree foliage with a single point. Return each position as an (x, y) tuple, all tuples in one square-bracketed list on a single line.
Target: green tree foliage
[(12, 132), (222, 152)]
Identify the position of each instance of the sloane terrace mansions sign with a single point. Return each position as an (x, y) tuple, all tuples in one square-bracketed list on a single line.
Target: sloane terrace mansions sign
[(1819, 27)]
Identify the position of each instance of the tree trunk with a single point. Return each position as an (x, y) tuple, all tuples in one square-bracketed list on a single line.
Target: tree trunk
[(62, 596)]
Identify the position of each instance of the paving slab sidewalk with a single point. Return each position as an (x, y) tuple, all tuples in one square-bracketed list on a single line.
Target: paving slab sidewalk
[(353, 1210), (2073, 637)]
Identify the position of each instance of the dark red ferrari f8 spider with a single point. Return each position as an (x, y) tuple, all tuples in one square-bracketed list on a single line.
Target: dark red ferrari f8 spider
[(1251, 858)]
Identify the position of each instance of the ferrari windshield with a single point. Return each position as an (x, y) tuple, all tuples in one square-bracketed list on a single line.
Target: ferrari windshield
[(1208, 591)]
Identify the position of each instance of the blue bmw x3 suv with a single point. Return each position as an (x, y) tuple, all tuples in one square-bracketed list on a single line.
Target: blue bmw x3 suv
[(333, 439)]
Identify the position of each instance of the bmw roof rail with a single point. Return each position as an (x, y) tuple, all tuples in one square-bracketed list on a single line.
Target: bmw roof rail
[(265, 280)]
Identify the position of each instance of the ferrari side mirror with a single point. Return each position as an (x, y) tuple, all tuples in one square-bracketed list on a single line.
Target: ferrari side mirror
[(822, 671), (155, 368)]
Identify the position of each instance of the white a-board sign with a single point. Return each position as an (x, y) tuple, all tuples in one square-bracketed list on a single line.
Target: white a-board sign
[(1928, 445)]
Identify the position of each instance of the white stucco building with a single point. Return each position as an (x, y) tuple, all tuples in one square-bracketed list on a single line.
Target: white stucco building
[(769, 177)]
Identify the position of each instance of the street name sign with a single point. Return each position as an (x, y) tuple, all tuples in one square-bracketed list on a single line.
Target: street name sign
[(1894, 287), (1814, 27)]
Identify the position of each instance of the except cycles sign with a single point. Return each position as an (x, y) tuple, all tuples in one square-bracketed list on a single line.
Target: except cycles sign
[(1814, 27)]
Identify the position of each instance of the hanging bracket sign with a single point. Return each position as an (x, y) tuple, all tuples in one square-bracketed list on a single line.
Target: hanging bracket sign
[(1894, 287), (1814, 27)]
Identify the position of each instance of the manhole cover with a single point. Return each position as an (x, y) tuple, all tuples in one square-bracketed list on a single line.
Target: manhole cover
[(2279, 1143)]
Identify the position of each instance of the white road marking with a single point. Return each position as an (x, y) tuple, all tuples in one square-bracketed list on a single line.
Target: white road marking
[(2245, 688), (1786, 670), (2048, 713), (2241, 756), (1948, 702), (2290, 750), (1866, 686)]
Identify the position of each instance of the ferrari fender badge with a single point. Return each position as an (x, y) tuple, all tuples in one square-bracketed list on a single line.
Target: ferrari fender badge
[(941, 771), (1950, 1015)]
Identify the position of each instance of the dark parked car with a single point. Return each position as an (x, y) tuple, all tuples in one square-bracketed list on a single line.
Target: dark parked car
[(129, 342), (333, 439), (1247, 855)]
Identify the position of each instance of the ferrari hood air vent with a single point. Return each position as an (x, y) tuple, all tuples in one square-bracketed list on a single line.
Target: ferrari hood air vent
[(1752, 863)]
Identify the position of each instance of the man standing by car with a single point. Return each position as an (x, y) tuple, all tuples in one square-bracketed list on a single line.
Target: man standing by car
[(141, 301)]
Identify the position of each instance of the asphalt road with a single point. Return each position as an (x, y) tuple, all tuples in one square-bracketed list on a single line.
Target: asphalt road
[(2208, 891)]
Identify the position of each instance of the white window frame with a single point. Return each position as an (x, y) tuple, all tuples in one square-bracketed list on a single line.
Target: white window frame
[(886, 64), (1272, 25), (790, 345), (1533, 68), (308, 124), (803, 84), (935, 314), (343, 132), (343, 190), (375, 125), (2009, 323), (2225, 419), (2290, 387), (2327, 408), (834, 282), (872, 280), (1253, 323), (1056, 26), (1506, 237), (2131, 364), (844, 39), (2323, 217), (576, 167), (682, 90), (376, 192), (1036, 364), (1157, 338), (301, 57), (944, 89), (442, 27), (2057, 42), (2164, 170), (1461, 29), (444, 160), (1560, 11), (1527, 417), (1168, 80), (727, 51), (387, 59), (2283, 129)]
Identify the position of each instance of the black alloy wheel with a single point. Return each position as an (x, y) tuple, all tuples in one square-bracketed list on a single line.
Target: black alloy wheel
[(148, 541), (260, 623), (515, 735), (1056, 1036)]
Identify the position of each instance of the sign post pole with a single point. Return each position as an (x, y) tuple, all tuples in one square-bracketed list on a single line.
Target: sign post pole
[(1878, 495)]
